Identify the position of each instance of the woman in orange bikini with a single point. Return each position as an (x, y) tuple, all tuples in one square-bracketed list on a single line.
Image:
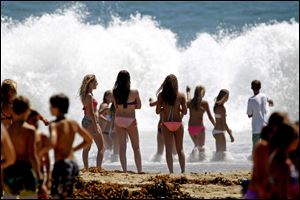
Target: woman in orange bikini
[(90, 121), (198, 107), (126, 101), (172, 104)]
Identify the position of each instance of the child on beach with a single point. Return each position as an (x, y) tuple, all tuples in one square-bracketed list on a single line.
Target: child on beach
[(160, 137), (221, 124), (43, 146), (172, 104), (90, 119), (197, 107), (22, 177), (63, 132), (126, 100), (257, 110), (106, 119), (8, 93)]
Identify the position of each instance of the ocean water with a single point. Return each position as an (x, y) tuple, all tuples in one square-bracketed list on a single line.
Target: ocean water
[(47, 47)]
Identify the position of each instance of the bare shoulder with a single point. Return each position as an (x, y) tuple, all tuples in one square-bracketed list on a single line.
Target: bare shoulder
[(181, 96), (134, 92)]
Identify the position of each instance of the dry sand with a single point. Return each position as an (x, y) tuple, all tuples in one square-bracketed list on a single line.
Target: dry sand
[(94, 183)]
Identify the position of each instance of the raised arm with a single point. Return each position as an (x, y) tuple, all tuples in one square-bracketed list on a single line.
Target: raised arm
[(87, 138)]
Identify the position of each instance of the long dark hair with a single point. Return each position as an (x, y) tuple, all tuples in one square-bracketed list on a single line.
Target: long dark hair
[(169, 89), (198, 95), (122, 88), (106, 93)]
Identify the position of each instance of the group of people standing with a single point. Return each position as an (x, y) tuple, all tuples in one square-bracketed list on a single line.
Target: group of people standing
[(117, 114), (110, 126)]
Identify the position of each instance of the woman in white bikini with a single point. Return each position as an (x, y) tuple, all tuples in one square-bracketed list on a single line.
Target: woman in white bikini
[(221, 124), (126, 101)]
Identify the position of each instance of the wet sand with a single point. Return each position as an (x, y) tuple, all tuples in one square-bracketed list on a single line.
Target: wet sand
[(95, 183)]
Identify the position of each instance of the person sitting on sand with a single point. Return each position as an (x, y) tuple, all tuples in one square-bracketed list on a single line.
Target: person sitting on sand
[(221, 124), (63, 132), (90, 119), (8, 93), (22, 177), (197, 107), (172, 104), (160, 138), (106, 118), (126, 100)]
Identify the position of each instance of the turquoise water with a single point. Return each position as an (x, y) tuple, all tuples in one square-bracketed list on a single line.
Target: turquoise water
[(47, 47)]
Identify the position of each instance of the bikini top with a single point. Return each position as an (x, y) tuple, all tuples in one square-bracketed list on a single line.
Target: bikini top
[(128, 103), (95, 103), (5, 116)]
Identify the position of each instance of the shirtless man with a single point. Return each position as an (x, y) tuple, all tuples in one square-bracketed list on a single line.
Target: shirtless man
[(20, 177), (63, 132)]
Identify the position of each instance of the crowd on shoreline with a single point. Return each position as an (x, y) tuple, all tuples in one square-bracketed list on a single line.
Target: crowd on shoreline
[(24, 150)]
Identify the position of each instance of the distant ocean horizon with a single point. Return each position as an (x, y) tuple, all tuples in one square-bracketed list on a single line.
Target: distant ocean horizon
[(47, 47)]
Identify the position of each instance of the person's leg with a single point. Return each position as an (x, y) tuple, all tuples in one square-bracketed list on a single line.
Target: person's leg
[(134, 138), (168, 137), (85, 156), (115, 143), (255, 140), (107, 141), (220, 142), (100, 145), (179, 147), (160, 141), (122, 135), (201, 138)]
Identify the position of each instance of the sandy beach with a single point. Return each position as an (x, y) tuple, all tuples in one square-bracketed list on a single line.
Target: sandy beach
[(95, 183)]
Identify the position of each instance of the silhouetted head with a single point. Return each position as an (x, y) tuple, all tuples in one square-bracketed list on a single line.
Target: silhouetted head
[(21, 106), (122, 88), (33, 118), (222, 97), (89, 81), (198, 95), (275, 120), (169, 89), (59, 104), (107, 97), (255, 85)]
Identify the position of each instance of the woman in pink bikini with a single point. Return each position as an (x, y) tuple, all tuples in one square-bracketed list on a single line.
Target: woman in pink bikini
[(126, 101), (221, 124), (90, 119), (198, 107), (172, 104)]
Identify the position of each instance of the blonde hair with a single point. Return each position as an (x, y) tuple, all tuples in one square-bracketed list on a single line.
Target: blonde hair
[(8, 89), (84, 85), (198, 95), (221, 98)]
